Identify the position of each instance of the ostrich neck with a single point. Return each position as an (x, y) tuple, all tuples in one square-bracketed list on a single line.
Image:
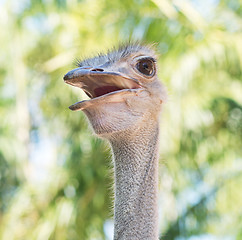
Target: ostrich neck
[(136, 183)]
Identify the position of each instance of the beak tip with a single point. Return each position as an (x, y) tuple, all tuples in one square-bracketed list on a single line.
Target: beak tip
[(69, 75), (66, 77), (71, 108)]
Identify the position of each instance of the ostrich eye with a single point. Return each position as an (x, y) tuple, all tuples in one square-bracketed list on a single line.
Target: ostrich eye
[(146, 66)]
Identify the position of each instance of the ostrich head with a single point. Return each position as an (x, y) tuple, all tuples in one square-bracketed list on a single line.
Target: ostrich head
[(123, 87)]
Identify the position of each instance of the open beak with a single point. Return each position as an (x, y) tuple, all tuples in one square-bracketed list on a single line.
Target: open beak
[(100, 85)]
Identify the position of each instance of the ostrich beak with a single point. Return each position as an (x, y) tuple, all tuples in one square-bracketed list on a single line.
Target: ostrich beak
[(100, 85)]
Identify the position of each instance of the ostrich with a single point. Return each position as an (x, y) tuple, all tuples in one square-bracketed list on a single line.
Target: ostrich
[(126, 97)]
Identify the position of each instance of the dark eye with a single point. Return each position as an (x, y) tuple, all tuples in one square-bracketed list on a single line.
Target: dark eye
[(146, 66)]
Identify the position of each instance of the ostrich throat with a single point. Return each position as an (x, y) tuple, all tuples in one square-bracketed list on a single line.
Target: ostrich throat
[(136, 183)]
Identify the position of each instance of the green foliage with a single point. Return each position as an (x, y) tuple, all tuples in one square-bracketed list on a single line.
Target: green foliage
[(56, 177)]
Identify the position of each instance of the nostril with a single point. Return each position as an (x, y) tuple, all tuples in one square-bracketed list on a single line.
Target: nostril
[(97, 70)]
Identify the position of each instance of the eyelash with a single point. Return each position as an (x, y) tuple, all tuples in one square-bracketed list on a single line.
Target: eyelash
[(148, 58)]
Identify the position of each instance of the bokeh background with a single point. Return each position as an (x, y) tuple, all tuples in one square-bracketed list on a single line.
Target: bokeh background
[(55, 176)]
